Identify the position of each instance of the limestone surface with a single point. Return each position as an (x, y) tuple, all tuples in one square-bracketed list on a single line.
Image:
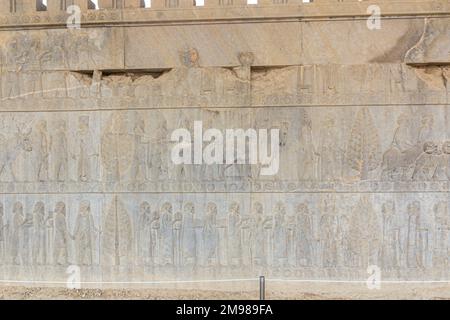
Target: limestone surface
[(86, 117)]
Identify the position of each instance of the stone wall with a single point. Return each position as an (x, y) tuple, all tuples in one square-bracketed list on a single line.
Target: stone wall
[(86, 116)]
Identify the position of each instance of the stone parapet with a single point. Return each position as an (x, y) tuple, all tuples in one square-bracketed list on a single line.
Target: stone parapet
[(25, 13)]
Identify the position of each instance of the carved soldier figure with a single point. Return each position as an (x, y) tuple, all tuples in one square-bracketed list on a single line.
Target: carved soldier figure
[(390, 248), (304, 236), (148, 236), (406, 146), (17, 234), (39, 234), (348, 256), (234, 235), (87, 156), (188, 235), (330, 158), (61, 240), (84, 235), (42, 151), (328, 235), (280, 235), (50, 237), (446, 151), (426, 128), (158, 152), (404, 139), (177, 245), (27, 247), (307, 155), (141, 141), (441, 236), (60, 152), (257, 238), (211, 236), (246, 233), (415, 243), (187, 172), (167, 236), (2, 235)]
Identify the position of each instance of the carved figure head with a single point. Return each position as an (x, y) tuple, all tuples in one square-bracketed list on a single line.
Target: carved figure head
[(302, 209), (329, 121), (211, 208), (388, 208), (166, 208), (246, 58), (18, 208), (403, 119), (42, 125), (39, 208), (414, 208), (427, 120), (83, 123), (441, 212), (139, 128), (234, 208), (85, 207), (211, 215), (60, 208), (280, 208), (144, 208), (189, 208), (258, 208)]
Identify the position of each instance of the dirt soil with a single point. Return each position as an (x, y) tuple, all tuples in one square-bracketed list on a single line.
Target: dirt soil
[(274, 291)]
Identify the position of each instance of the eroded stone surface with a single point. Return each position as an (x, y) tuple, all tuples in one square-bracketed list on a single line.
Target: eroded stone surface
[(433, 46), (86, 176)]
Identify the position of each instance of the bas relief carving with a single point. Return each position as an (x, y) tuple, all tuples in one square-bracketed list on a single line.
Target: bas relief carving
[(289, 235), (86, 176), (401, 149)]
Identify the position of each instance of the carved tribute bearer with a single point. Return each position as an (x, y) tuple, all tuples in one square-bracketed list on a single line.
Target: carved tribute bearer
[(351, 137)]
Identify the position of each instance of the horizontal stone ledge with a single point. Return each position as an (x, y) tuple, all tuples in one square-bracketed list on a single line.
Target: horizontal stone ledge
[(304, 86), (239, 11)]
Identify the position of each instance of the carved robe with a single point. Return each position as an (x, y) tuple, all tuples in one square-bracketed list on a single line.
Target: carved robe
[(188, 240), (234, 238), (39, 238), (304, 239), (210, 239), (84, 235), (167, 239), (280, 239), (61, 242)]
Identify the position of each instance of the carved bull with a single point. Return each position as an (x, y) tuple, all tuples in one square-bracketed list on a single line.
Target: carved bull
[(397, 163), (11, 147)]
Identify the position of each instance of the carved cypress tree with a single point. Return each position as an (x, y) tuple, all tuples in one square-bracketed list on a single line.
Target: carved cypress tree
[(364, 150)]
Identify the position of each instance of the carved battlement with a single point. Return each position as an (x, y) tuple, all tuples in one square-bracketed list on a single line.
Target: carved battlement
[(21, 13)]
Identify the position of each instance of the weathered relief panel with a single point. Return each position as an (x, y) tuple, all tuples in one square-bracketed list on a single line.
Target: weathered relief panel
[(87, 178)]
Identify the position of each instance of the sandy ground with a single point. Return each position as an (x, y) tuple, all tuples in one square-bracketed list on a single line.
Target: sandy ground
[(274, 291)]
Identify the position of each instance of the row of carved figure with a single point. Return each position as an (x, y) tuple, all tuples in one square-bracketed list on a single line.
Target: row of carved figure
[(130, 148), (162, 237)]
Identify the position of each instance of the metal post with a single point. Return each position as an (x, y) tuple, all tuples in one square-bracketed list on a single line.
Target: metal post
[(262, 288)]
